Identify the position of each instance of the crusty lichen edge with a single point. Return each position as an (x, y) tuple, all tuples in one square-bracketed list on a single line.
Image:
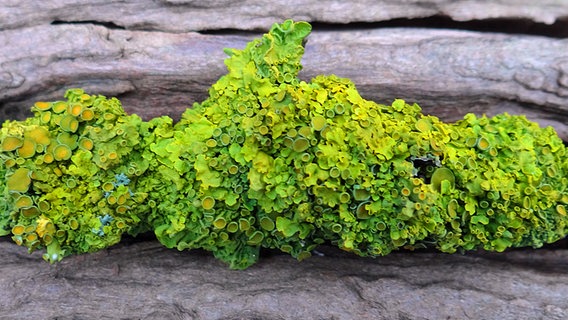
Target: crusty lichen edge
[(270, 161)]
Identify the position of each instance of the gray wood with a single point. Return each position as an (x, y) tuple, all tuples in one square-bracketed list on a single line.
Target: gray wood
[(191, 15), (449, 73), (146, 281)]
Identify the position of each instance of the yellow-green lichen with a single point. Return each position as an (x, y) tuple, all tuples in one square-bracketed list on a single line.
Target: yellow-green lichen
[(271, 161), (53, 196)]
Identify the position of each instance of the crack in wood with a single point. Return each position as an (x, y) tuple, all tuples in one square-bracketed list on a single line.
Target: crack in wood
[(512, 26), (107, 24)]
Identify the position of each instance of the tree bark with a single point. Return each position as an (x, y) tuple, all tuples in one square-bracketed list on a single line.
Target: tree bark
[(159, 57)]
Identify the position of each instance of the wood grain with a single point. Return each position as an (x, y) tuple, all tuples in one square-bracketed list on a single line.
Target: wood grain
[(144, 280), (191, 15), (449, 73)]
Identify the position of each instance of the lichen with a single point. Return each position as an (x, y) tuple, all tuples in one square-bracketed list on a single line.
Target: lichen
[(271, 161), (56, 167)]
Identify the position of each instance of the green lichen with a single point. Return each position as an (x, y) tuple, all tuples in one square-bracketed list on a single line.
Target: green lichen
[(54, 195), (270, 161)]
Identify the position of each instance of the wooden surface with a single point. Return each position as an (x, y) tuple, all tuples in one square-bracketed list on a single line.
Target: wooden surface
[(192, 15), (159, 57), (143, 280), (448, 72)]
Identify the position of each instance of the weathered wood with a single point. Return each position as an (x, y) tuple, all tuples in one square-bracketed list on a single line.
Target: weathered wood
[(191, 15), (449, 73), (146, 281)]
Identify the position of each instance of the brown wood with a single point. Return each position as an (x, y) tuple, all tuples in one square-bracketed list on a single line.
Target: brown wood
[(449, 73), (159, 57), (191, 15), (144, 280)]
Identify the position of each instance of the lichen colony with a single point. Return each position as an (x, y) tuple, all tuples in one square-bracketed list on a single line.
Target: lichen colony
[(270, 161)]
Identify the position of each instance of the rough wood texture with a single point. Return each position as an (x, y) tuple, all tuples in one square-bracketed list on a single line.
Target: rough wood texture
[(146, 281), (159, 57), (154, 73), (188, 15)]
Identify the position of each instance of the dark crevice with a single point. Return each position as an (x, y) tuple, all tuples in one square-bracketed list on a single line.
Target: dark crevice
[(559, 29), (424, 166), (232, 32), (106, 24)]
